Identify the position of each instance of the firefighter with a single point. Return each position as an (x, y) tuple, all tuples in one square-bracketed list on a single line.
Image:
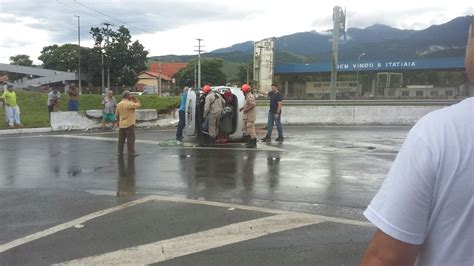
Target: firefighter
[(250, 116), (213, 108)]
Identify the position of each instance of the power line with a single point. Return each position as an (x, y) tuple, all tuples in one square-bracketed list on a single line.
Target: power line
[(71, 7), (90, 26), (107, 15)]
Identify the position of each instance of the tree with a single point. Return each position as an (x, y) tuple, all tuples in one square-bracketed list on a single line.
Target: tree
[(20, 60), (244, 70), (211, 72), (124, 58), (65, 58)]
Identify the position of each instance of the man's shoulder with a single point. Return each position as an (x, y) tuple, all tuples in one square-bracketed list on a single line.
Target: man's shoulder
[(277, 96), (456, 113), (212, 95), (441, 123)]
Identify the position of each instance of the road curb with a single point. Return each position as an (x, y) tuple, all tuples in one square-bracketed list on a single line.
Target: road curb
[(25, 130)]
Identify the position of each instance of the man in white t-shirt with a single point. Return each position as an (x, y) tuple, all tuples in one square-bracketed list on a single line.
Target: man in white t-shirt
[(424, 210)]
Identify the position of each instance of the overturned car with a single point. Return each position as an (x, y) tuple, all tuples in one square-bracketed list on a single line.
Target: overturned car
[(231, 121)]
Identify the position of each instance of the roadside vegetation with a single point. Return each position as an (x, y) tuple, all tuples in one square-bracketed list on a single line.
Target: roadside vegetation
[(34, 111)]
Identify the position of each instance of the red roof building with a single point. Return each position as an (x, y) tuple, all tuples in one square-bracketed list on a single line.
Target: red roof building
[(168, 69)]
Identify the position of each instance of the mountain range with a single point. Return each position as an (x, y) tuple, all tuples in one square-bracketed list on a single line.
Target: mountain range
[(378, 42)]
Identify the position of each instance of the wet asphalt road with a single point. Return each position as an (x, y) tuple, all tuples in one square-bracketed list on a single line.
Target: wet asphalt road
[(50, 179)]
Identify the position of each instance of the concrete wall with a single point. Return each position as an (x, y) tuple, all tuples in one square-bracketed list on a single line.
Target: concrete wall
[(349, 115), (72, 121), (296, 115), (92, 119)]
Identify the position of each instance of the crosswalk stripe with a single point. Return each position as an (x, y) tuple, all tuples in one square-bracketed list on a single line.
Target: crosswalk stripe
[(282, 214), (189, 244), (259, 209), (55, 229)]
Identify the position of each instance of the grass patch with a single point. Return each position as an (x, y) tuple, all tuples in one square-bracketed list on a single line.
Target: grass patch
[(34, 110)]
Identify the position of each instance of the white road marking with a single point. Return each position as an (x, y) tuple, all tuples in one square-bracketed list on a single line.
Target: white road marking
[(201, 241), (108, 131), (222, 147), (287, 218), (259, 148), (78, 221), (259, 209), (84, 137)]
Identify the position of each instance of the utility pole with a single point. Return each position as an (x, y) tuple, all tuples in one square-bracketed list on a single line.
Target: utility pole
[(159, 77), (108, 64), (338, 18), (79, 50), (195, 76), (199, 61)]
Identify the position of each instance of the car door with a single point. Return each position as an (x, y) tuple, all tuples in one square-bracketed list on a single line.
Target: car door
[(190, 120)]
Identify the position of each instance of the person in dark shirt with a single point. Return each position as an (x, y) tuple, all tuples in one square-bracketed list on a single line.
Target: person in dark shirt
[(274, 114)]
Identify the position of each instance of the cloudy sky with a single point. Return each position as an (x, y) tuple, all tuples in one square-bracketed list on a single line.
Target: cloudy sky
[(171, 27)]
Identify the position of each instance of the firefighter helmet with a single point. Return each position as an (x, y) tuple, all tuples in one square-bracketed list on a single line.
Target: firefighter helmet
[(206, 89), (246, 88)]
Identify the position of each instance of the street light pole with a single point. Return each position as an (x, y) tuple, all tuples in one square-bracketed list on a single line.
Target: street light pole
[(108, 63), (357, 75), (102, 68), (79, 50)]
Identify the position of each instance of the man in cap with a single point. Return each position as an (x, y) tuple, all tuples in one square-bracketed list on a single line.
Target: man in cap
[(213, 107), (126, 121), (11, 107), (250, 116)]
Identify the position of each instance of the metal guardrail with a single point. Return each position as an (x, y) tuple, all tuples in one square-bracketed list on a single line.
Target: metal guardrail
[(368, 102)]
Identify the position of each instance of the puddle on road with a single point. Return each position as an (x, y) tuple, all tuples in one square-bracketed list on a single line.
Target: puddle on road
[(181, 156), (78, 172), (360, 147)]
